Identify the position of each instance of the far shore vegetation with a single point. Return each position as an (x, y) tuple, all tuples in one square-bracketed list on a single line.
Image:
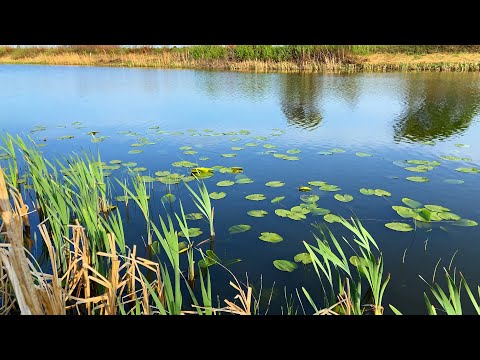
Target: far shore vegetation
[(260, 58)]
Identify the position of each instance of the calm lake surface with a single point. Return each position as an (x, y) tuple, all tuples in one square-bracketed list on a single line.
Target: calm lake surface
[(393, 117)]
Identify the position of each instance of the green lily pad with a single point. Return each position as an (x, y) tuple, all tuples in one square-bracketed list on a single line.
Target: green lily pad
[(183, 148), (184, 163), (300, 209), (237, 229), (397, 226), (237, 148), (325, 153), (262, 138), (296, 216), (194, 216), (465, 222), (251, 144), (66, 137), (190, 152), (470, 170), (129, 164), (203, 158), (137, 145), (448, 216), (417, 179), (257, 213), (226, 183), (309, 198), (148, 178), (454, 158), (285, 265), (331, 218), (362, 154), (255, 197), (269, 146), (436, 208), (275, 183), (303, 258), (336, 150), (139, 169), (328, 187), (343, 198), (462, 145), (229, 155), (226, 170), (317, 183), (419, 168), (293, 151), (412, 203), (192, 232), (115, 162), (453, 181), (168, 198), (270, 237), (367, 191), (277, 199), (162, 173), (244, 180), (319, 211), (282, 212), (217, 195), (135, 151), (291, 158), (380, 192)]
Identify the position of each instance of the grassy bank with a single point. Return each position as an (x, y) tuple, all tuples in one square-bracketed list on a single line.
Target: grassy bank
[(262, 58), (87, 268)]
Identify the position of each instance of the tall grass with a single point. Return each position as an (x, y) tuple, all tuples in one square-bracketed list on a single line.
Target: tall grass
[(347, 58)]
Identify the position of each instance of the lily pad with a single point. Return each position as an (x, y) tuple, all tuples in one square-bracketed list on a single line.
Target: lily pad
[(183, 148), (148, 178), (139, 169), (337, 150), (237, 169), (412, 203), (184, 163), (162, 173), (203, 158), (282, 212), (194, 216), (293, 151), (137, 151), (317, 183), (285, 265), (251, 144), (190, 152), (237, 229), (309, 198), (129, 164), (367, 191), (462, 145), (168, 198), (291, 158), (217, 195), (257, 213), (66, 137), (362, 154), (418, 179), (397, 226), (269, 146), (328, 187), (437, 208), (237, 148), (192, 232), (296, 216), (453, 181), (300, 209), (454, 158), (255, 197), (465, 222), (303, 258), (229, 155), (325, 153), (226, 183), (270, 237), (244, 180), (468, 170), (115, 162), (331, 218), (319, 211), (277, 199), (380, 192), (275, 183), (419, 168), (448, 216), (343, 198)]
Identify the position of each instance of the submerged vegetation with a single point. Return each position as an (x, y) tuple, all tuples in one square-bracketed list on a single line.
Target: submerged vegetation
[(87, 265), (349, 58)]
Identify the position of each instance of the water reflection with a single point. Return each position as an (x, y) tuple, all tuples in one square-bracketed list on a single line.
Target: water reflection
[(299, 99), (437, 106)]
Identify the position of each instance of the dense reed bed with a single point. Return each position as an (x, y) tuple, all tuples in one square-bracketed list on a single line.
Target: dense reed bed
[(86, 268), (261, 58)]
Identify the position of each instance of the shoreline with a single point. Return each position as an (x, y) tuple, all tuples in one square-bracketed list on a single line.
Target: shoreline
[(378, 62)]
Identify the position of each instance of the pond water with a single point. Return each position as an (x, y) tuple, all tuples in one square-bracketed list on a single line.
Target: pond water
[(392, 117)]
